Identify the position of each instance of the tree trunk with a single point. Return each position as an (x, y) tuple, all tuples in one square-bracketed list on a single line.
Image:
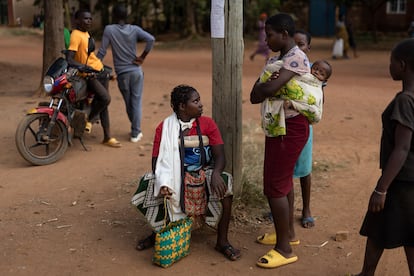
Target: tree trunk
[(227, 87), (374, 6), (67, 17), (191, 24), (53, 39)]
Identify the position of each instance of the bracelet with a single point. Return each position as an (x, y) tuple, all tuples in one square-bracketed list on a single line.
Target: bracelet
[(380, 193)]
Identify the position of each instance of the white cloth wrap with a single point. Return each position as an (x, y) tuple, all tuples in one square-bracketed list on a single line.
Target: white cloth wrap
[(168, 167)]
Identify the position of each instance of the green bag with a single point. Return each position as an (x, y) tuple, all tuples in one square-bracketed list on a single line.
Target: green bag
[(172, 242)]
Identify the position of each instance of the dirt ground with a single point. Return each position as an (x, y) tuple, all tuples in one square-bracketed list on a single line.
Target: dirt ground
[(74, 217)]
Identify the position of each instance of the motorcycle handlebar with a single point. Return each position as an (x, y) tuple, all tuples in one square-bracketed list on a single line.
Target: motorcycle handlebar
[(87, 69)]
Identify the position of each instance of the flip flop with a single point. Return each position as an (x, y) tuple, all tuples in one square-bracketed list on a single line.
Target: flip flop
[(270, 239), (146, 243), (274, 259), (308, 222), (88, 127), (112, 142), (297, 242), (229, 252)]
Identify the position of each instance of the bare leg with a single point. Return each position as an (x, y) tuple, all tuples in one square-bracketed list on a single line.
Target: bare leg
[(252, 55), (146, 243), (305, 185), (223, 226), (355, 52), (346, 54), (291, 201), (280, 212), (373, 254), (100, 105), (409, 252), (223, 245)]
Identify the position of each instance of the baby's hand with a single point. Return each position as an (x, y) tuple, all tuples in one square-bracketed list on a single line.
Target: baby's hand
[(287, 105), (274, 76)]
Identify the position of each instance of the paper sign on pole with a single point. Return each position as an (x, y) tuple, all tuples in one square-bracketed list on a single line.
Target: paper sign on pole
[(217, 18)]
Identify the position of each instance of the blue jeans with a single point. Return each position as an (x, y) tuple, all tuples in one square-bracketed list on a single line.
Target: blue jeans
[(131, 85)]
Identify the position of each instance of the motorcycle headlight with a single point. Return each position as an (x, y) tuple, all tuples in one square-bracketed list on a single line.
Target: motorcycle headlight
[(48, 84)]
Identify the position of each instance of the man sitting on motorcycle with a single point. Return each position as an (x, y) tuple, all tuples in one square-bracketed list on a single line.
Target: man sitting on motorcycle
[(79, 54)]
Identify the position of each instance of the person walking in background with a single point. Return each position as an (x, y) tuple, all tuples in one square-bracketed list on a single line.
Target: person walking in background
[(262, 48), (351, 38), (389, 221), (282, 151), (123, 39), (341, 33)]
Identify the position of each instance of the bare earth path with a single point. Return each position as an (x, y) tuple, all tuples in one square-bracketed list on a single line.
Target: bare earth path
[(74, 217)]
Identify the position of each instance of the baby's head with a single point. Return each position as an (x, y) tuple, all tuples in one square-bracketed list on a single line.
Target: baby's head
[(321, 69)]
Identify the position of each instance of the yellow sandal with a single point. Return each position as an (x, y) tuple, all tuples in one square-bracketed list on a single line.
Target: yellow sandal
[(270, 239), (274, 259), (88, 127), (112, 142)]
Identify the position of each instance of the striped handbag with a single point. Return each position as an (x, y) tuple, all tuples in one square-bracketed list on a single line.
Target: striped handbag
[(172, 242)]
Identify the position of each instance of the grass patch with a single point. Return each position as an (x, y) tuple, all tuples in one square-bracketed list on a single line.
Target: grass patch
[(253, 156), (20, 31), (385, 41), (174, 42)]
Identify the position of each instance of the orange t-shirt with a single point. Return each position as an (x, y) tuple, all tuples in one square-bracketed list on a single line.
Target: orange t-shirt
[(79, 44)]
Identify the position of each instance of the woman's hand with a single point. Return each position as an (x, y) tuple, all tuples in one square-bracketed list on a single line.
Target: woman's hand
[(218, 186), (261, 91), (164, 191), (376, 202), (402, 138)]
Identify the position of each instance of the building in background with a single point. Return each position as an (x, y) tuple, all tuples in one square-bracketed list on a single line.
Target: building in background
[(13, 12), (316, 16)]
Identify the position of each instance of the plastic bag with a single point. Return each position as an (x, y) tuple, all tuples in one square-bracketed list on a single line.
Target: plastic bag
[(338, 48)]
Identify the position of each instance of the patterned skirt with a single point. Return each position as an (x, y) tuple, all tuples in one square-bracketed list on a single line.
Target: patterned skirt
[(153, 207)]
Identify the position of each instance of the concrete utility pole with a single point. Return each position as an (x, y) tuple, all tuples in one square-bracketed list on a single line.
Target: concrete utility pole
[(227, 50)]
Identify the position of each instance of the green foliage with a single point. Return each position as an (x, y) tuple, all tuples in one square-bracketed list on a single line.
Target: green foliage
[(183, 17), (252, 10)]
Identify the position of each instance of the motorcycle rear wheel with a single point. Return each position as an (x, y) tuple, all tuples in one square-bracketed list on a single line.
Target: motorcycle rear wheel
[(35, 146)]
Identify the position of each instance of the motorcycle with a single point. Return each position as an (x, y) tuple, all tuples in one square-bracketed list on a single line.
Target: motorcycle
[(44, 134)]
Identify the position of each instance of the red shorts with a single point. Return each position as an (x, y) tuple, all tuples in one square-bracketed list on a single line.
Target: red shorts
[(281, 154)]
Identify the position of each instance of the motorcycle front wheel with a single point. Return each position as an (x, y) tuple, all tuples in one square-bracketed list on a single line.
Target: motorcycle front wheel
[(33, 143)]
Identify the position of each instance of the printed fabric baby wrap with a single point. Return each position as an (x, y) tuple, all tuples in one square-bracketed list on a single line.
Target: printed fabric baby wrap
[(304, 92)]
